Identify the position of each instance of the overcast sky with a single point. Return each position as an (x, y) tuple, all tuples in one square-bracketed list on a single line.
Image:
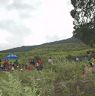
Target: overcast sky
[(33, 22)]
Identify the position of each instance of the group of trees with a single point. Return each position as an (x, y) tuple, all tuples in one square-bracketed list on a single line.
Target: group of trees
[(84, 20)]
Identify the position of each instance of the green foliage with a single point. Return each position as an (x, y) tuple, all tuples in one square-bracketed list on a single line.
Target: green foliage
[(84, 20), (12, 86), (62, 78)]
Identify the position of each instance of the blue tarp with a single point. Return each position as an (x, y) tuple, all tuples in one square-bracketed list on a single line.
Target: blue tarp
[(11, 57)]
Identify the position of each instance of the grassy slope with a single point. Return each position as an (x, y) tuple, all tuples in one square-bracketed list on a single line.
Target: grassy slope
[(62, 45), (60, 79)]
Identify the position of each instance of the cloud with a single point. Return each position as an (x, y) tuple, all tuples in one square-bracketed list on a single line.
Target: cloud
[(18, 32), (31, 22), (4, 36), (52, 38), (12, 14), (24, 4), (19, 4), (6, 15), (4, 3), (35, 39), (24, 8), (14, 27)]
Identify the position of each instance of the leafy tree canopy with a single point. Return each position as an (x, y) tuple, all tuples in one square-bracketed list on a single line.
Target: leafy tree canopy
[(84, 20)]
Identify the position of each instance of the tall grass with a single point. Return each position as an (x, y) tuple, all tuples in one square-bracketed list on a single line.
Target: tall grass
[(62, 78)]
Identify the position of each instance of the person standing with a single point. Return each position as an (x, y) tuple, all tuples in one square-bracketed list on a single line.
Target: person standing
[(50, 61)]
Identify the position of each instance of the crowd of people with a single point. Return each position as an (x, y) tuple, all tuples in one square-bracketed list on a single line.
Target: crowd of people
[(37, 63), (6, 65), (32, 63)]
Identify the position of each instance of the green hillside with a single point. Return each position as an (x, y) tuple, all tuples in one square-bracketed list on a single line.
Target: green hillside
[(62, 78), (62, 45)]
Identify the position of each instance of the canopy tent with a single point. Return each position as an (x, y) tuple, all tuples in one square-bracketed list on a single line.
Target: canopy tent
[(11, 57)]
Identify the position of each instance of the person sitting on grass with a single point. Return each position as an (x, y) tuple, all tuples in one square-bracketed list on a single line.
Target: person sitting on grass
[(39, 64), (6, 64), (29, 66)]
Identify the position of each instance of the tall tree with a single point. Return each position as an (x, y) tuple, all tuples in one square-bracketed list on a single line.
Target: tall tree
[(84, 20)]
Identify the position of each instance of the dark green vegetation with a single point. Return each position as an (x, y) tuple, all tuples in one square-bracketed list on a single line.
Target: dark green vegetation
[(63, 78), (68, 44), (84, 20)]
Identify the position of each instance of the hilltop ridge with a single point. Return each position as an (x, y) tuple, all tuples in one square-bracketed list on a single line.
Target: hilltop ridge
[(64, 43)]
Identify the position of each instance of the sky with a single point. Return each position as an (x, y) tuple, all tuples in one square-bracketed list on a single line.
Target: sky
[(34, 22)]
